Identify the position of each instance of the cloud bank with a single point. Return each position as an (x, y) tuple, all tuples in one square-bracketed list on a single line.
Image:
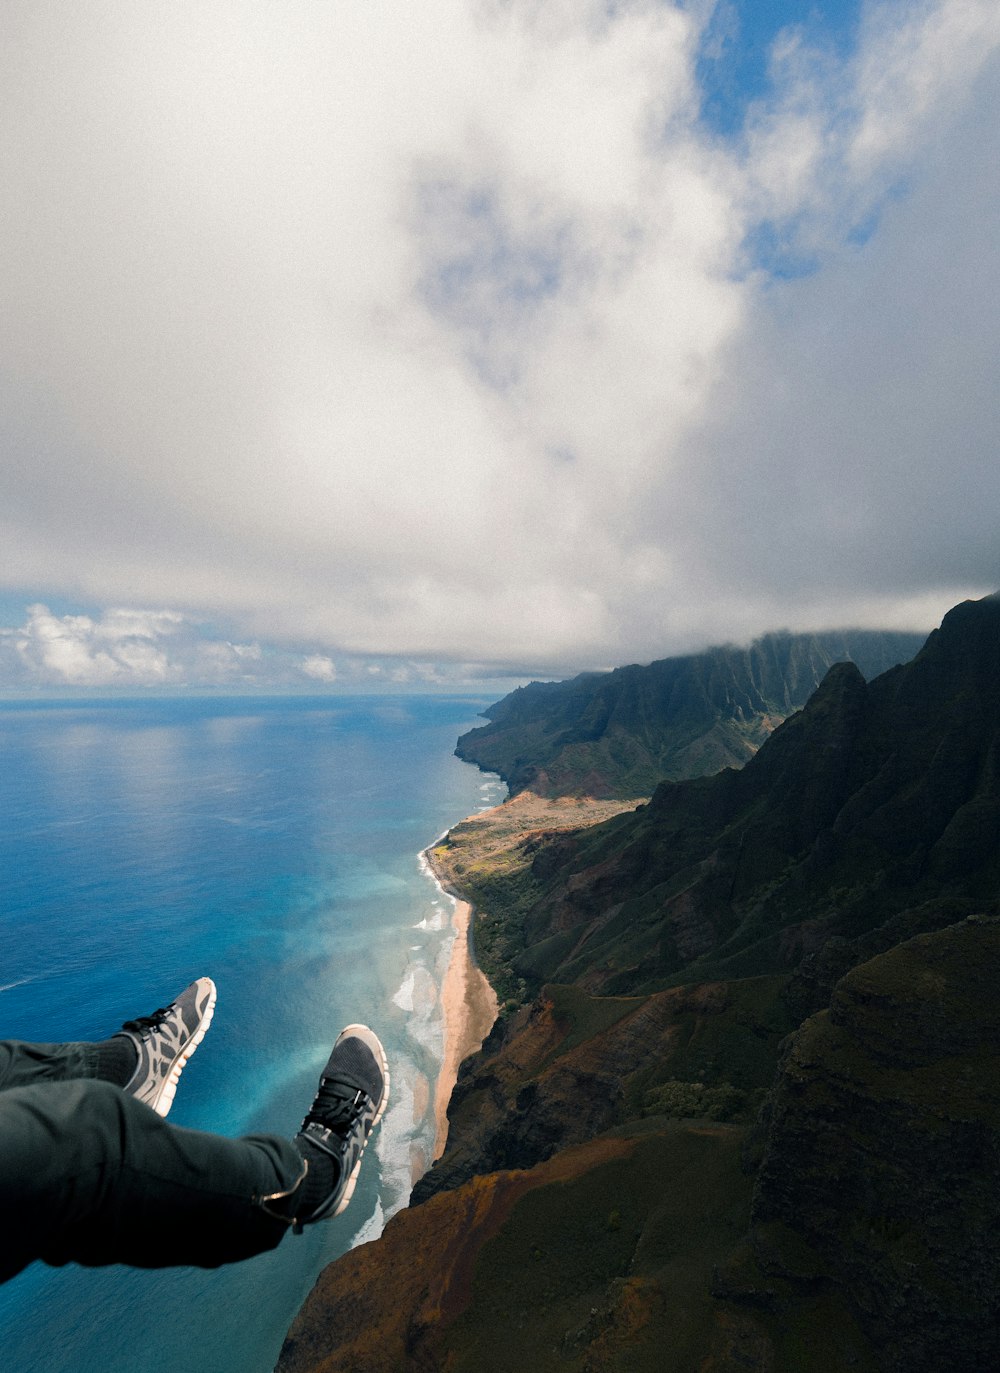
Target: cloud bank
[(124, 650), (455, 332)]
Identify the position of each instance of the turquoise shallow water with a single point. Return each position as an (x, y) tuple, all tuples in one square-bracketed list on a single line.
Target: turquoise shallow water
[(272, 844)]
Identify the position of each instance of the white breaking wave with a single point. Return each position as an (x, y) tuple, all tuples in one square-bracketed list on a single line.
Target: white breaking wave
[(21, 982), (404, 997), (393, 1146), (372, 1227), (434, 922), (419, 998)]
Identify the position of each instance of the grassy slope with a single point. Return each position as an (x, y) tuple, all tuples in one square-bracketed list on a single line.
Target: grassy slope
[(488, 860), (619, 734), (601, 1258)]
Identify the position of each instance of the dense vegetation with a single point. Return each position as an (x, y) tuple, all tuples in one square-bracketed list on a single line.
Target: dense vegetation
[(748, 1116), (620, 733)]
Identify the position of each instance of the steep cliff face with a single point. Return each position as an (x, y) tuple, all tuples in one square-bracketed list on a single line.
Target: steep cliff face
[(882, 1154), (620, 733), (571, 1066), (874, 800), (592, 1210), (871, 1243)]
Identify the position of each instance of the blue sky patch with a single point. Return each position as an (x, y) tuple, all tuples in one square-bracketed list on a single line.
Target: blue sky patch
[(772, 248), (733, 64)]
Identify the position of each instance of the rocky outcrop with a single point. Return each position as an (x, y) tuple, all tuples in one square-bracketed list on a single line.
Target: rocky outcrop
[(879, 1172), (571, 1066)]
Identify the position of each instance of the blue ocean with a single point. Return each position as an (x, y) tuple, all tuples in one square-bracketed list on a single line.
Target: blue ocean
[(274, 845)]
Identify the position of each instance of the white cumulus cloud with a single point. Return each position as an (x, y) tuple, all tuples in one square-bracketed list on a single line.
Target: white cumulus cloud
[(120, 648), (319, 666)]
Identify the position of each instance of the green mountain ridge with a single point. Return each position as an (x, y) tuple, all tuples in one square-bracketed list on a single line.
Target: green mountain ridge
[(620, 733), (873, 801), (749, 1114)]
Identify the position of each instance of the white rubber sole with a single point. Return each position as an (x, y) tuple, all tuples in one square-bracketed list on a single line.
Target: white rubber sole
[(371, 1039), (165, 1096)]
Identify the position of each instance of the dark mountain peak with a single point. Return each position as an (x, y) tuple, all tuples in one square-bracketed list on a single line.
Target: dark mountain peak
[(972, 614), (969, 639), (954, 682), (829, 717), (874, 798), (800, 750), (843, 679)]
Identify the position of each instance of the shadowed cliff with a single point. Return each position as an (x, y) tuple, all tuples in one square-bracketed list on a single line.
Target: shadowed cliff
[(878, 1175), (875, 807), (854, 1227), (749, 1119)]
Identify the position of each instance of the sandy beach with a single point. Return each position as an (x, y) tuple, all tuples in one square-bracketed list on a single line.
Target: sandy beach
[(469, 1008), (468, 1001)]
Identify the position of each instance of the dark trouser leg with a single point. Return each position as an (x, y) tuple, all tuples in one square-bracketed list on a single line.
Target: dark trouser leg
[(22, 1064), (90, 1175)]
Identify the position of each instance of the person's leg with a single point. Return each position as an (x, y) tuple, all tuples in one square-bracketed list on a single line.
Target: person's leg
[(23, 1064), (144, 1058), (89, 1174), (92, 1175)]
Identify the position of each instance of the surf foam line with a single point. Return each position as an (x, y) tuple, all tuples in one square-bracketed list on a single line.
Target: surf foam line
[(405, 1145), (405, 1142)]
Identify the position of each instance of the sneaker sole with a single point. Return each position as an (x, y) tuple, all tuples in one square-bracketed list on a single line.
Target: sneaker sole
[(371, 1040), (165, 1096)]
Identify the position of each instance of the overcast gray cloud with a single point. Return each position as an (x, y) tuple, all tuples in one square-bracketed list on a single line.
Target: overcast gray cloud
[(448, 334)]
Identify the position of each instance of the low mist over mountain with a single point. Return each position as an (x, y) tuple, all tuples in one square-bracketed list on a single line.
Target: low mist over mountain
[(873, 799), (621, 732)]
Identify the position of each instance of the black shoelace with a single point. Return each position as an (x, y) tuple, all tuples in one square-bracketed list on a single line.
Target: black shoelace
[(147, 1022), (337, 1106)]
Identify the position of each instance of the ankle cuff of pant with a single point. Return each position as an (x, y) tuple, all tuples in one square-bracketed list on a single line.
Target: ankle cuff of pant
[(283, 1205)]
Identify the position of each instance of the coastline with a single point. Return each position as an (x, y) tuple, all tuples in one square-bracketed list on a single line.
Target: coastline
[(469, 1008), (469, 1002)]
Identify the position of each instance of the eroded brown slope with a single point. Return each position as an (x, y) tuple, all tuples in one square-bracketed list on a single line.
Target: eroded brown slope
[(875, 1236), (601, 1258), (571, 1065)]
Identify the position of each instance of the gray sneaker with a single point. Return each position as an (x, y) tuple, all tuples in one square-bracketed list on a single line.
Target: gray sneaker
[(351, 1100), (165, 1040)]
